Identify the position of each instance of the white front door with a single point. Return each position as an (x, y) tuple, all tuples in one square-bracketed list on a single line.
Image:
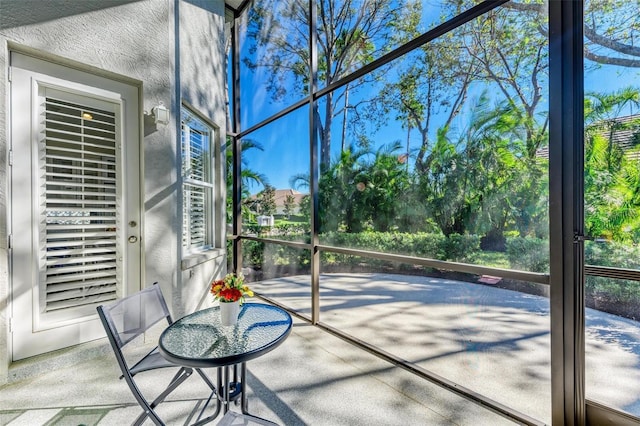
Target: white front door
[(75, 202)]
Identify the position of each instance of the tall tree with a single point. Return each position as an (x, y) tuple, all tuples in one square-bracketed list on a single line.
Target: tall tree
[(382, 180), (611, 29), (267, 200), (512, 55), (289, 205), (361, 189), (248, 177), (432, 84), (350, 34), (340, 184), (462, 157)]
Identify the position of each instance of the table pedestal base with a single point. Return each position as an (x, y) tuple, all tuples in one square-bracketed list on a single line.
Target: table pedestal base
[(231, 389)]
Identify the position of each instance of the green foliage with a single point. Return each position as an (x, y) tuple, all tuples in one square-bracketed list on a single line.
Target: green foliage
[(612, 177), (289, 205), (261, 256), (253, 254), (528, 254), (459, 248), (613, 290), (532, 254), (305, 209), (248, 177), (484, 177), (266, 201), (291, 228), (361, 191), (420, 244), (484, 182), (610, 253), (618, 255)]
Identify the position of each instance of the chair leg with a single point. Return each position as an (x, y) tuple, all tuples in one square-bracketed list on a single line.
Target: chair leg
[(182, 375), (214, 394), (206, 379), (151, 414), (200, 420)]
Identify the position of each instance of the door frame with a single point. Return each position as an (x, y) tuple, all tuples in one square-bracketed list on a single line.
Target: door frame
[(88, 327)]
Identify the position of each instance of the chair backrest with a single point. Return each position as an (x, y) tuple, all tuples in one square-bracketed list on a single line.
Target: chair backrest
[(129, 317)]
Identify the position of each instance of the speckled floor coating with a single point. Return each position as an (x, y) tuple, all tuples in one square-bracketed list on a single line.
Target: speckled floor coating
[(313, 378), (493, 341)]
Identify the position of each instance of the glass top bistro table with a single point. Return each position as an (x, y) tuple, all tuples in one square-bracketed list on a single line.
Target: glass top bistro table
[(199, 340)]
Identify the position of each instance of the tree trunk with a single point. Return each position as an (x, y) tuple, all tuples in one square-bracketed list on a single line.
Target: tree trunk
[(325, 134)]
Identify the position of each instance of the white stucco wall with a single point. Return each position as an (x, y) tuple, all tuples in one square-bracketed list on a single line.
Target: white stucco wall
[(135, 40), (202, 86)]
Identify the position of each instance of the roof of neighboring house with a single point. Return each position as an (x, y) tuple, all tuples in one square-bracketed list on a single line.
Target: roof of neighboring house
[(281, 196), (624, 138)]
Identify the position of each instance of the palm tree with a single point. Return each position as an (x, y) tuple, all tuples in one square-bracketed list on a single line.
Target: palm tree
[(383, 182), (612, 178), (361, 189), (247, 177)]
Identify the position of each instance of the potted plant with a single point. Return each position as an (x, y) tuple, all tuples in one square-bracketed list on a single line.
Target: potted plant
[(230, 291)]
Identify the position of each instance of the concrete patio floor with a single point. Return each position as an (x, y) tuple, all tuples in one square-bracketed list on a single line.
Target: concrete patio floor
[(313, 378), (493, 341)]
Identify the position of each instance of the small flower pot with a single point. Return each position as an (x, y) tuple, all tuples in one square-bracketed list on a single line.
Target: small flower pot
[(229, 312)]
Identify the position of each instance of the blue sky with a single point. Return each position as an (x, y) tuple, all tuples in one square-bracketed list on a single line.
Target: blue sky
[(286, 147), (285, 141)]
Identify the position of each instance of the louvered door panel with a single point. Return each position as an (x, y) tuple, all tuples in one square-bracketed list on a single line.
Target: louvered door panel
[(79, 205)]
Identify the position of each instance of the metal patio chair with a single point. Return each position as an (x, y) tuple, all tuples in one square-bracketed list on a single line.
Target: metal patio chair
[(130, 317)]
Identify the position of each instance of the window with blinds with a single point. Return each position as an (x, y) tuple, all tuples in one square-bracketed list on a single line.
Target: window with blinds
[(78, 204), (197, 178)]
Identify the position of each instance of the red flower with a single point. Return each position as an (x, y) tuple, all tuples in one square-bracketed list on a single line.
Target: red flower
[(230, 289)]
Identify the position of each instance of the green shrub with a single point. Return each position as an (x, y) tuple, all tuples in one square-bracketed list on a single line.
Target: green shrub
[(614, 254), (461, 248), (291, 228), (417, 244), (252, 253), (528, 254), (532, 254), (613, 290), (609, 253)]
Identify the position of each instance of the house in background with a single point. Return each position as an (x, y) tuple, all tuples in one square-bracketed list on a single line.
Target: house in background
[(623, 132), (281, 198), (112, 141)]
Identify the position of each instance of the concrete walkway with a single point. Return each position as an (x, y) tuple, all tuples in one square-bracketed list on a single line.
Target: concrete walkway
[(493, 341)]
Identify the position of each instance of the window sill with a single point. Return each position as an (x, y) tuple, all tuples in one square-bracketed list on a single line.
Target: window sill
[(194, 259)]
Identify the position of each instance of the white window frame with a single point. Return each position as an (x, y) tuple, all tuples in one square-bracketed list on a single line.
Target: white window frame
[(192, 122)]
